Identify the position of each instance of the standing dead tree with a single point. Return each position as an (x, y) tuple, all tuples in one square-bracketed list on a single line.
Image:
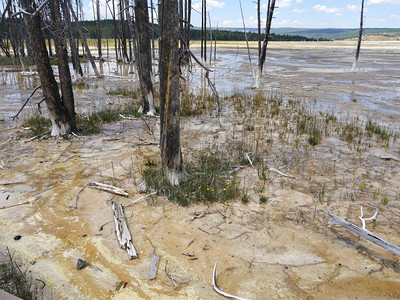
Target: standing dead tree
[(96, 6), (171, 155), (59, 114), (261, 58), (56, 26), (83, 37), (360, 33), (70, 34), (144, 55)]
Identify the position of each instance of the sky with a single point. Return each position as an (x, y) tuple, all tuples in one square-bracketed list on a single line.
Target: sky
[(293, 13)]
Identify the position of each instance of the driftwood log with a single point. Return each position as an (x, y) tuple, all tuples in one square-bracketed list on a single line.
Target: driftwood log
[(108, 188), (368, 235), (218, 290), (154, 265), (122, 231)]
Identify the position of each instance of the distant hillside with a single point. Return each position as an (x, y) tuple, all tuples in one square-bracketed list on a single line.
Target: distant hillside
[(328, 33)]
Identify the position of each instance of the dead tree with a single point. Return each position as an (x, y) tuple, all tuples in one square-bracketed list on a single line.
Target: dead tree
[(144, 55), (58, 112), (98, 28), (360, 33), (62, 62), (261, 58), (171, 155), (70, 34), (259, 27), (83, 37)]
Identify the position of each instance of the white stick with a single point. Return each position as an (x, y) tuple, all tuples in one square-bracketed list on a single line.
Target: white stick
[(373, 218), (248, 158), (280, 173), (216, 288), (139, 199)]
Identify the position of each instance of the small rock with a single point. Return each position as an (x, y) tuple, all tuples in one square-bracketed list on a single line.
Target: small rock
[(17, 237), (81, 264)]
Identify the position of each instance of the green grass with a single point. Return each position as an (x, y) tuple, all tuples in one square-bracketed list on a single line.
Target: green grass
[(14, 281), (124, 92), (86, 124), (38, 126), (209, 180)]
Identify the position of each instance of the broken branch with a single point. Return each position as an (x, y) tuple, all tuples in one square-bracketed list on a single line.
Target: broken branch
[(368, 235), (140, 199), (18, 204), (107, 188)]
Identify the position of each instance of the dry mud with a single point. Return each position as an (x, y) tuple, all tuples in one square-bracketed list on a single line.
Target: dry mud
[(283, 249)]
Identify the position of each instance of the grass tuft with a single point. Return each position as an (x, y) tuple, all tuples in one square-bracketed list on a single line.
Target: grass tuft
[(210, 180)]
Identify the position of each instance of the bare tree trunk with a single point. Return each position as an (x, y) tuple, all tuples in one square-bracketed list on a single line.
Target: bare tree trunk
[(62, 61), (171, 155), (360, 33), (98, 29), (123, 32), (259, 27), (144, 55), (132, 30), (261, 59), (245, 35), (83, 37), (205, 29), (72, 44), (54, 104)]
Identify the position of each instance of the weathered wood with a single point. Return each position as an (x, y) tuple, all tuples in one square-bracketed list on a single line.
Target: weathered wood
[(122, 231), (108, 188), (390, 158), (169, 73), (368, 235), (14, 205), (154, 265), (218, 290), (140, 199)]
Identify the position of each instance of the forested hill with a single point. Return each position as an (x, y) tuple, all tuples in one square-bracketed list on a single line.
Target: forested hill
[(222, 35)]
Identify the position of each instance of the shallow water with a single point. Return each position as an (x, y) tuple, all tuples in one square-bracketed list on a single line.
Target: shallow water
[(323, 74)]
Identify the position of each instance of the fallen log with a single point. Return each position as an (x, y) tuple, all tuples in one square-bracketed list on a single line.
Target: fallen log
[(122, 231), (108, 188), (368, 235), (154, 265), (218, 290)]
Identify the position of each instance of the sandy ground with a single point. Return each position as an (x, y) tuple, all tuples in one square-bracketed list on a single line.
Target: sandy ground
[(282, 249)]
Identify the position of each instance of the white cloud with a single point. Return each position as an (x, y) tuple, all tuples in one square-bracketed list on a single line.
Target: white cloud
[(299, 11), (287, 22), (380, 20), (395, 17), (284, 3), (326, 9), (210, 5), (384, 2), (353, 8), (228, 23)]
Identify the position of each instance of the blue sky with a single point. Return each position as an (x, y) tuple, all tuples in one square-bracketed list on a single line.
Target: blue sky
[(296, 13)]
